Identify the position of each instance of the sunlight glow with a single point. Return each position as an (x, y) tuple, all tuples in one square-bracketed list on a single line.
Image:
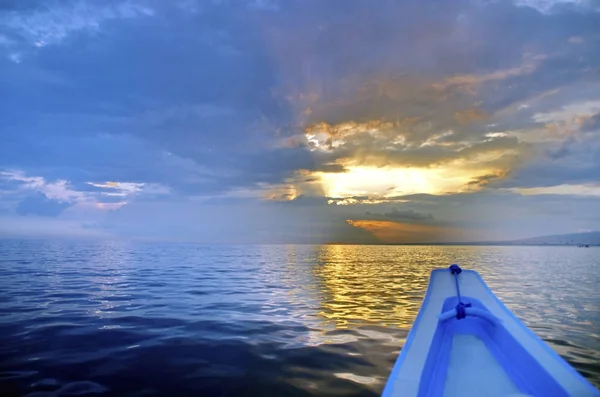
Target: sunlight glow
[(396, 232), (370, 177), (125, 187), (391, 182)]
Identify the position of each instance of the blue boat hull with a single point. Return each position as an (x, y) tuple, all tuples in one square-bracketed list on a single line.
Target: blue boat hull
[(487, 351)]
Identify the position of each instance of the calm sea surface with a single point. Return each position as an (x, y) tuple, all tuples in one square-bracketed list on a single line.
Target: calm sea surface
[(149, 319)]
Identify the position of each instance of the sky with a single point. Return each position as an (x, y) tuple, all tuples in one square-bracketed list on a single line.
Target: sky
[(299, 121)]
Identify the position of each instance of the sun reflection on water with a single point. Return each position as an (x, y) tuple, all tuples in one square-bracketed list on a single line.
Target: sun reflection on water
[(360, 286)]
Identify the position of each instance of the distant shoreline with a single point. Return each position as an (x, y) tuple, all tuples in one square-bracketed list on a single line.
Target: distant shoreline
[(490, 244), (595, 243), (580, 240), (510, 243)]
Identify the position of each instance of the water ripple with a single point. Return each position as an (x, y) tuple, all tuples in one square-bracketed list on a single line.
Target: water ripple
[(140, 319)]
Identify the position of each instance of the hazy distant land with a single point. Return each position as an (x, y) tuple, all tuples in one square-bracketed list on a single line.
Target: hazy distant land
[(575, 239)]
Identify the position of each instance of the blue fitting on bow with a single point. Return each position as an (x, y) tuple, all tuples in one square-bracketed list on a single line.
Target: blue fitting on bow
[(455, 269), (460, 310)]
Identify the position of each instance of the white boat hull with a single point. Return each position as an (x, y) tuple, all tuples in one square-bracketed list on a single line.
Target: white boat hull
[(489, 352)]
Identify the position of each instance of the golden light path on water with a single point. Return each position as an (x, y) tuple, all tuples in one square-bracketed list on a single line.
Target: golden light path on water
[(361, 288), (369, 296)]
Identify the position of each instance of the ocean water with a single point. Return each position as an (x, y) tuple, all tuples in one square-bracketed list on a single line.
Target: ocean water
[(113, 318)]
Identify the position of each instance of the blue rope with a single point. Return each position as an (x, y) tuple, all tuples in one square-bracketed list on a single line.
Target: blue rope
[(460, 308)]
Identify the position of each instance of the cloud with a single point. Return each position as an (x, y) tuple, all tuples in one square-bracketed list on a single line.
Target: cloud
[(58, 189), (406, 215), (87, 196), (592, 123), (573, 113), (567, 151), (40, 204), (401, 233), (385, 144), (119, 189), (483, 180), (576, 40), (571, 190), (548, 7), (470, 83), (16, 57), (216, 114), (207, 137), (54, 22), (269, 5)]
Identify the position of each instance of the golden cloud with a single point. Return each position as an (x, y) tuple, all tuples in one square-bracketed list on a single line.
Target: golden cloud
[(398, 233), (384, 159), (470, 82), (395, 129), (470, 115)]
